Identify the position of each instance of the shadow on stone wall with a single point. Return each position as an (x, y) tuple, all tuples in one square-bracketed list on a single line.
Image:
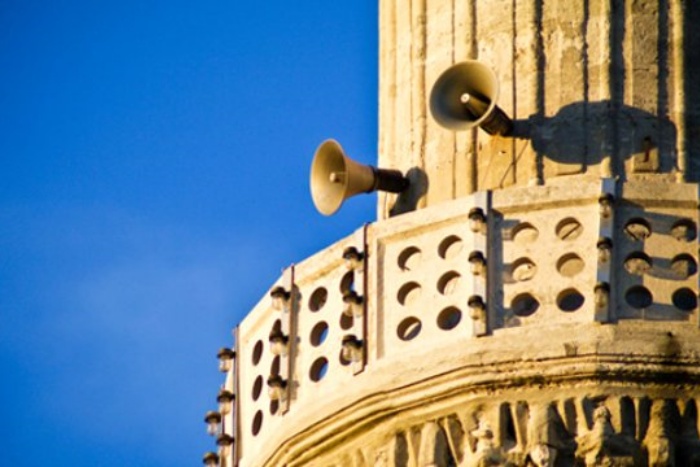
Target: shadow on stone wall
[(588, 137), (583, 133), (691, 57), (409, 199)]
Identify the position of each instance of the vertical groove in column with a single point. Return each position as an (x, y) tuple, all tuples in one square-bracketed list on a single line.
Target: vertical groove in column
[(625, 85), (387, 96), (666, 141), (473, 54), (514, 53), (604, 55), (513, 86), (691, 78), (540, 87), (678, 88), (403, 99), (584, 50), (453, 36), (418, 104), (616, 82), (411, 86), (662, 45), (481, 170), (463, 40), (586, 83), (602, 62), (453, 25), (438, 143), (566, 86), (525, 83)]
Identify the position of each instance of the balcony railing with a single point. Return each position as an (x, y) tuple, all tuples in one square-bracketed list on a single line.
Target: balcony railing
[(438, 278)]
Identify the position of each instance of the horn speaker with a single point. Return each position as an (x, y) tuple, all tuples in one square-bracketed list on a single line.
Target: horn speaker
[(335, 177), (464, 96)]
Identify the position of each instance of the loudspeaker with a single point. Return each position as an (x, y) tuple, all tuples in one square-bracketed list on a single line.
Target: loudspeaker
[(335, 177), (464, 96)]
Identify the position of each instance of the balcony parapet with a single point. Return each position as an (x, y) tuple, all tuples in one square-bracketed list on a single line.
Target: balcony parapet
[(434, 292)]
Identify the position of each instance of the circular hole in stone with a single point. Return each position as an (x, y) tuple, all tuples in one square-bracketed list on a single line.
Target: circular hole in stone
[(257, 387), (342, 359), (684, 230), (409, 328), (638, 297), (347, 283), (685, 299), (318, 299), (346, 322), (450, 247), (523, 269), (449, 318), (638, 263), (409, 259), (318, 369), (409, 293), (684, 266), (570, 300), (637, 229), (570, 264), (524, 233), (257, 352), (257, 422), (524, 304), (569, 229), (275, 367), (448, 283), (274, 406), (319, 334)]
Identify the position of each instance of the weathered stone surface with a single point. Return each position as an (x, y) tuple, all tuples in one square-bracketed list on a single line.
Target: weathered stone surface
[(595, 86)]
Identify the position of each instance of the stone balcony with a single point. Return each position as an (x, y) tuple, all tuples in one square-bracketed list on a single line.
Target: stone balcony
[(567, 284)]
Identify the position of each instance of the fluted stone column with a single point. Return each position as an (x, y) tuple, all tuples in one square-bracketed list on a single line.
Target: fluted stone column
[(598, 87)]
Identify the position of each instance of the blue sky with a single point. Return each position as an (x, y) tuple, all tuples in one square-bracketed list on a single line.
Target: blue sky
[(154, 161)]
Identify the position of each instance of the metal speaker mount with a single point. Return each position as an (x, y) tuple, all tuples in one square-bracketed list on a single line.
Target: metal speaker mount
[(335, 177), (464, 96)]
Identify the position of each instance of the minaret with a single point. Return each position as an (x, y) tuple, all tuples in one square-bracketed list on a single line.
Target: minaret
[(531, 299)]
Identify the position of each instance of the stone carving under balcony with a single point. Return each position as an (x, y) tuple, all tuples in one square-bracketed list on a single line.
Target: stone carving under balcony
[(572, 432), (402, 294)]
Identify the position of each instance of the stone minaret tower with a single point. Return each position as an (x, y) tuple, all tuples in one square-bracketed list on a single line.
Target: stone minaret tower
[(530, 300)]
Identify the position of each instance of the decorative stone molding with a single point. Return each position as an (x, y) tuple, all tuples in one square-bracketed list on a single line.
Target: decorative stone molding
[(577, 431)]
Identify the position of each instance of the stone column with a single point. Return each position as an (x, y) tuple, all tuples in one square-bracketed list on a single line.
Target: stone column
[(597, 87)]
